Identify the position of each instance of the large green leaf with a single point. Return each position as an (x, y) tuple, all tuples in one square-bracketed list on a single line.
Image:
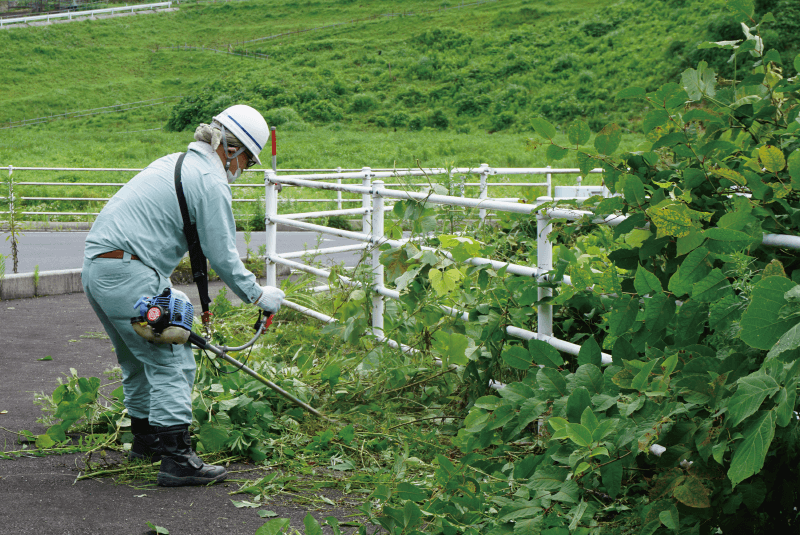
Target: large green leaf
[(692, 493), (311, 525), (611, 475), (517, 357), (543, 353), (555, 153), (551, 381), (788, 342), (608, 139), (579, 434), (693, 268), (711, 288), (654, 119), (749, 396), (212, 437), (761, 323), (543, 128), (658, 311), (623, 315), (672, 219), (646, 283), (642, 378), (725, 240), (772, 158), (742, 10), (590, 353), (590, 377), (451, 347), (578, 401), (748, 459), (547, 477), (700, 82), (633, 189), (578, 132)]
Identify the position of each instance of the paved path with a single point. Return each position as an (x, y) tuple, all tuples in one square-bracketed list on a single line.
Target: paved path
[(64, 250), (39, 495)]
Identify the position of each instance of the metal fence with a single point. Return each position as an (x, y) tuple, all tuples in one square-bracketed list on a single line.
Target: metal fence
[(488, 177), (69, 15)]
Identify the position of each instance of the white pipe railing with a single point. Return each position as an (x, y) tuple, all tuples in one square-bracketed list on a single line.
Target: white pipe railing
[(69, 15), (302, 177)]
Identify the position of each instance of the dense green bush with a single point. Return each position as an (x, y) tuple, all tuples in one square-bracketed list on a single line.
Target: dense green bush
[(282, 116), (691, 427), (324, 111)]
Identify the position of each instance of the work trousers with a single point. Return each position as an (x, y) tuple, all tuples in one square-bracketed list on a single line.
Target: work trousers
[(157, 379)]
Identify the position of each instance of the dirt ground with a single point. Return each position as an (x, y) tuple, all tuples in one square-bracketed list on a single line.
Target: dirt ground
[(40, 495)]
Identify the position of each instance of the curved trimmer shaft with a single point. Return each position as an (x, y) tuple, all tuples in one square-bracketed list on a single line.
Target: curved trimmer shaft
[(202, 343)]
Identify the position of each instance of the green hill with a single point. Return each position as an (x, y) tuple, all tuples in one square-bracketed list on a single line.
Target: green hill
[(443, 67)]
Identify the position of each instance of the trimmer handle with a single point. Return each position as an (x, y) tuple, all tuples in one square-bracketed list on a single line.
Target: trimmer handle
[(262, 323)]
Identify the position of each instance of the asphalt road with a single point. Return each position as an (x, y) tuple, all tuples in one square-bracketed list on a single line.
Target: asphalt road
[(64, 250), (40, 495)]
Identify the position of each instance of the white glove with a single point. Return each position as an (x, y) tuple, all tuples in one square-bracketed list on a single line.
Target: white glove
[(270, 299)]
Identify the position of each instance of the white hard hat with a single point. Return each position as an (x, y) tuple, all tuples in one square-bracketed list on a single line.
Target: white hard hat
[(247, 125)]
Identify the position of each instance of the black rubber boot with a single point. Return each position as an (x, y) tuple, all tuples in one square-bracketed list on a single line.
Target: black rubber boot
[(180, 466), (146, 446)]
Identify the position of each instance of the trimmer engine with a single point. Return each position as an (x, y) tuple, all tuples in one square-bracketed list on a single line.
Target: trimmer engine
[(166, 318)]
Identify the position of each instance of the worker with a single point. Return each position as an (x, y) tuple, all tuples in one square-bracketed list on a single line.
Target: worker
[(134, 245)]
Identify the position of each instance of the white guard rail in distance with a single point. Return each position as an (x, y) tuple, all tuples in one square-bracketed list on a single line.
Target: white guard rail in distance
[(69, 15), (484, 171), (372, 236)]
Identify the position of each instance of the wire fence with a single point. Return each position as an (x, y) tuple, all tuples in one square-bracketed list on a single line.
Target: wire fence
[(115, 108)]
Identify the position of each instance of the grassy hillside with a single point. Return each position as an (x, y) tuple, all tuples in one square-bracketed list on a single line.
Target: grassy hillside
[(454, 74)]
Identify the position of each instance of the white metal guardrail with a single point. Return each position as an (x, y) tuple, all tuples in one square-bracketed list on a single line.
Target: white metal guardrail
[(69, 15), (374, 195), (487, 177)]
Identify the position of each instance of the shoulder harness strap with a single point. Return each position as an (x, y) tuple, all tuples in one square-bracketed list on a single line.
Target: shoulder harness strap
[(196, 256)]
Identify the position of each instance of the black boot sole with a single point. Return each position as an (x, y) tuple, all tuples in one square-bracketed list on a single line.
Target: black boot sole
[(168, 480)]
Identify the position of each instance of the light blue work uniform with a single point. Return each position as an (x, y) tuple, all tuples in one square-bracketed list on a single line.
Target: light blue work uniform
[(144, 219)]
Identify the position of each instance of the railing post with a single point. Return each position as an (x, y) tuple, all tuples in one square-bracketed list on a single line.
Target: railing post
[(270, 211), (462, 185), (544, 263), (484, 194), (366, 200), (339, 192), (549, 184), (274, 136), (377, 267)]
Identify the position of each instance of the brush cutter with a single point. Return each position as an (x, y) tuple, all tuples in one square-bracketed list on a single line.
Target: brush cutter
[(167, 319)]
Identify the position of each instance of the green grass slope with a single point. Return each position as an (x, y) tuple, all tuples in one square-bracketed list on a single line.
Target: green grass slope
[(442, 74)]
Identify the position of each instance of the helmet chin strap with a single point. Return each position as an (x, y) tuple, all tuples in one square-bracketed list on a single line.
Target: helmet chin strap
[(229, 159)]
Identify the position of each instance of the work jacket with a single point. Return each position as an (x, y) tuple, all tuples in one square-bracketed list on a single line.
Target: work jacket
[(144, 219)]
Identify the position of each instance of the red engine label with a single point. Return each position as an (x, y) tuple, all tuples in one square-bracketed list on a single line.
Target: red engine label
[(153, 314)]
